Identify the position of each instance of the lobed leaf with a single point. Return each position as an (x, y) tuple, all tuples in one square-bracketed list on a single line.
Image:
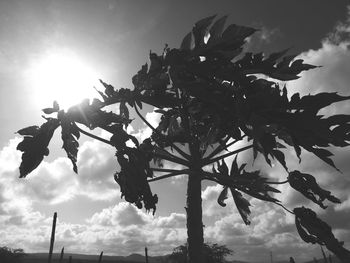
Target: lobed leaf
[(35, 145), (306, 184), (187, 42), (200, 29), (132, 178), (242, 205), (217, 29), (312, 229), (69, 135), (223, 196)]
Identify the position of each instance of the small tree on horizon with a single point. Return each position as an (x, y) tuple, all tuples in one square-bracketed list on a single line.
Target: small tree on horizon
[(211, 95), (11, 255), (213, 253)]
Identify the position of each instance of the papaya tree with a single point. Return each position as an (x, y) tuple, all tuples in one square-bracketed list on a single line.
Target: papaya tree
[(211, 95)]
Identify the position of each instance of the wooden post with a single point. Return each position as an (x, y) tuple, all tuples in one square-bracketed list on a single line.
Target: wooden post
[(70, 259), (146, 254), (52, 236), (100, 258), (271, 256), (62, 253)]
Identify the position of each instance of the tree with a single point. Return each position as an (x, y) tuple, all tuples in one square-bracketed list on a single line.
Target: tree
[(213, 253), (210, 95), (9, 255)]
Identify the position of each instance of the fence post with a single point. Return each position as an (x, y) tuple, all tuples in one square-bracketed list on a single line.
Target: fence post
[(146, 254), (70, 259), (62, 253), (52, 241), (100, 258)]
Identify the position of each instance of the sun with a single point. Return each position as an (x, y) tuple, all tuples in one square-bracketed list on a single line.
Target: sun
[(61, 76)]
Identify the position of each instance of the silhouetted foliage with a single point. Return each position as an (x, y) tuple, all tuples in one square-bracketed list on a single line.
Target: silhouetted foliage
[(210, 95), (213, 253), (10, 255)]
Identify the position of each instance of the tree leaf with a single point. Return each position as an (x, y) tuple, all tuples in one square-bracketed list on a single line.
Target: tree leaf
[(307, 185), (132, 178), (31, 130), (200, 29), (234, 167), (217, 29), (223, 196), (312, 229), (242, 205), (35, 145), (323, 154), (70, 143), (49, 110), (187, 42), (222, 168), (237, 33), (280, 157), (317, 102), (55, 108), (123, 109), (109, 89)]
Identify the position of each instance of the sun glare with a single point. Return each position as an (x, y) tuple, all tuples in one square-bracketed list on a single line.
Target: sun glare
[(62, 77)]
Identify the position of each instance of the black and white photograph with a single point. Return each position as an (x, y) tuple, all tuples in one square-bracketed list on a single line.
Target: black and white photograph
[(173, 131)]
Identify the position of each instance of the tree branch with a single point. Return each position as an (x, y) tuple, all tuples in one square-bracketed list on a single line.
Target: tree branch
[(282, 182), (169, 175), (222, 147), (182, 153), (206, 161), (171, 158), (218, 149), (163, 170), (224, 180), (210, 178), (94, 136), (285, 208)]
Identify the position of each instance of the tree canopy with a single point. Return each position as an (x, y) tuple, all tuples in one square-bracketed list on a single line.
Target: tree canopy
[(211, 94), (10, 255), (213, 253)]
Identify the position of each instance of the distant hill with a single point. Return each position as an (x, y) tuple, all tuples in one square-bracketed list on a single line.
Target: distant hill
[(81, 258), (133, 258)]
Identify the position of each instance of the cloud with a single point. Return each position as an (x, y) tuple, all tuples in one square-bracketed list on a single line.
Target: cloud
[(55, 182), (175, 220), (123, 214), (126, 229), (144, 131)]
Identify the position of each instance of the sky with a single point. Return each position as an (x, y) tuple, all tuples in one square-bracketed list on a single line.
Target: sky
[(58, 49)]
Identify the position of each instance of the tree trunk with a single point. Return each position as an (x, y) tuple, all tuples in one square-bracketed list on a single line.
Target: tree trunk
[(194, 218)]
